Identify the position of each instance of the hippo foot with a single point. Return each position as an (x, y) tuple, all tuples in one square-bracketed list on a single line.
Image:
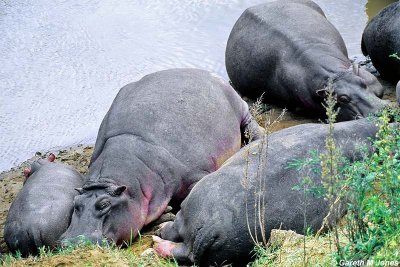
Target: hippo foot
[(169, 249), (160, 227)]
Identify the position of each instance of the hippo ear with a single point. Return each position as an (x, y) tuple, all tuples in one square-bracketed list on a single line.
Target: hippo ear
[(27, 172), (116, 191), (80, 190), (322, 92), (51, 157)]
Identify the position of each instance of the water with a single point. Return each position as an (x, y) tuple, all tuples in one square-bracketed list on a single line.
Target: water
[(374, 6), (62, 62)]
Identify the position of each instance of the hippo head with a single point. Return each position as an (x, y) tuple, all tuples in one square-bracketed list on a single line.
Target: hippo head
[(358, 94), (104, 211)]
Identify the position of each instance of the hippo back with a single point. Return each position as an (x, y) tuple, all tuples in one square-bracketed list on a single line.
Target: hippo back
[(381, 39), (42, 210), (264, 37), (190, 116)]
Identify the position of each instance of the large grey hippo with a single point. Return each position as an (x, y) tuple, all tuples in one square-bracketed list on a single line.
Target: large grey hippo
[(289, 50), (381, 39), (212, 227), (161, 135), (41, 212)]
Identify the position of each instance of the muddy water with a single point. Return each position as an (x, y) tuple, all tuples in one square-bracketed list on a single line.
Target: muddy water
[(374, 6), (62, 62)]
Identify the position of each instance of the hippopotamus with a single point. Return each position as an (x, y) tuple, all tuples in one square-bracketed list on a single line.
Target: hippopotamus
[(161, 135), (41, 211), (381, 39), (398, 92), (289, 51), (212, 227)]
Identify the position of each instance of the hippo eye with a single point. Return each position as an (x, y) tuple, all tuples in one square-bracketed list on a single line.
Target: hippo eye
[(344, 99), (101, 205)]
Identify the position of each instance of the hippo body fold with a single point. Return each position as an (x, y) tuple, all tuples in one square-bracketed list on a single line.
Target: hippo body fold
[(289, 51), (161, 135), (41, 211), (212, 228), (381, 39)]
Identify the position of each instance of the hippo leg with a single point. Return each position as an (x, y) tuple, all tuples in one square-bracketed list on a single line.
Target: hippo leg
[(249, 128), (170, 249), (168, 231), (167, 216), (253, 131)]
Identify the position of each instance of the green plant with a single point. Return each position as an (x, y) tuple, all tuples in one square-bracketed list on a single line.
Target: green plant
[(395, 56), (331, 161), (257, 182), (308, 169), (373, 186)]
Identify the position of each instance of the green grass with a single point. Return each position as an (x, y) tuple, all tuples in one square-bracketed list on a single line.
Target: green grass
[(88, 254)]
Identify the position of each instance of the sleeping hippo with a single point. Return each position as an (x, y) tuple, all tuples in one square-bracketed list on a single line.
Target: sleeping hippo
[(161, 135), (212, 227), (41, 212), (290, 51), (381, 39)]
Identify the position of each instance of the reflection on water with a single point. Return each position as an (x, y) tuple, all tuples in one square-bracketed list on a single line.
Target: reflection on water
[(62, 62), (374, 6)]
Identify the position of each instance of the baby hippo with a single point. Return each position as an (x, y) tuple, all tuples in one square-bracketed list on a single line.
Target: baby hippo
[(212, 227), (42, 210)]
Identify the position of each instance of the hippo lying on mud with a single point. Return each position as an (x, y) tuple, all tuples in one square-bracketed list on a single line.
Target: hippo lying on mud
[(161, 135), (42, 210), (289, 50), (212, 227), (381, 39)]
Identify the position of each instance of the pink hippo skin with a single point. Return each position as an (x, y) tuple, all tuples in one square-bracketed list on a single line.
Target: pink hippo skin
[(161, 135)]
